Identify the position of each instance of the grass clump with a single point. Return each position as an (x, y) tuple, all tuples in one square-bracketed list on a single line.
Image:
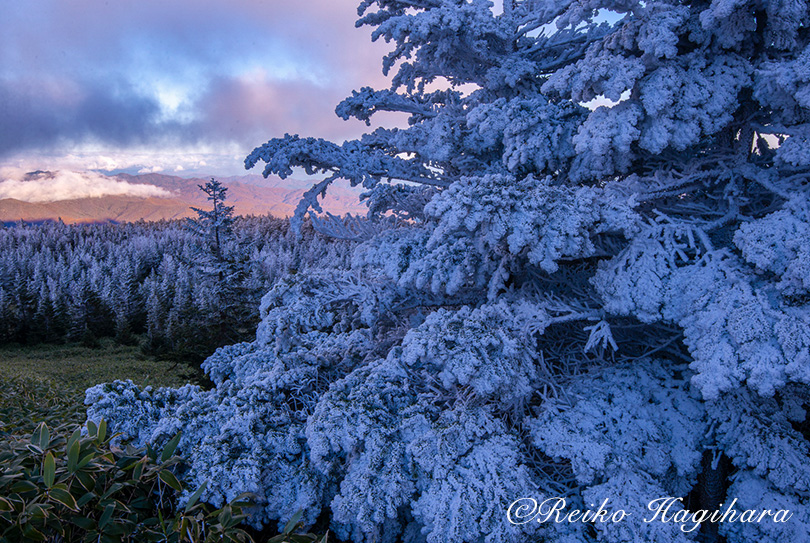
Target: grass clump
[(78, 367), (27, 402)]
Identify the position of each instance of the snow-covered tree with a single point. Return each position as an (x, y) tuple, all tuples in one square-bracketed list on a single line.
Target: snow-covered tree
[(214, 224), (588, 278)]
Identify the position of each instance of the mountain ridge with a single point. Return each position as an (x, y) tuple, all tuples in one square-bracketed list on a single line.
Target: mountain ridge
[(249, 194)]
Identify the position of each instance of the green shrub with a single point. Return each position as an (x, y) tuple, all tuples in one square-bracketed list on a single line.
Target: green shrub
[(288, 535), (67, 483), (62, 480)]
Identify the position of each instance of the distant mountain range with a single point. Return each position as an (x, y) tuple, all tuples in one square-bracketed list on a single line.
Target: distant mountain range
[(249, 194)]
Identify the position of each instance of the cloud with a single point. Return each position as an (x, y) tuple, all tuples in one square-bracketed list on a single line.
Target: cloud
[(186, 73), (201, 160), (43, 187), (184, 37), (36, 114), (254, 108)]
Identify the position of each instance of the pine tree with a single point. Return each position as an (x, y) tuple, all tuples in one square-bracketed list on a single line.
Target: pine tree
[(214, 225), (223, 264)]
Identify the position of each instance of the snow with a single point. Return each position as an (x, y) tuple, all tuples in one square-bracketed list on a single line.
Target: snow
[(561, 302)]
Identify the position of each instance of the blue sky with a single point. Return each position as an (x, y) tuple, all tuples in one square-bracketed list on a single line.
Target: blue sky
[(175, 86)]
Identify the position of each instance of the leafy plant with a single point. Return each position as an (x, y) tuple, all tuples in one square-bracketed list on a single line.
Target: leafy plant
[(69, 482), (295, 524), (24, 403)]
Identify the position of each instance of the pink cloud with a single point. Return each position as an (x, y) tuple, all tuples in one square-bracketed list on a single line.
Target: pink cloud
[(96, 72)]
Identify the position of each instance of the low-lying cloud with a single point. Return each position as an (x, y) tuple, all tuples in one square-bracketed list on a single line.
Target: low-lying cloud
[(42, 187)]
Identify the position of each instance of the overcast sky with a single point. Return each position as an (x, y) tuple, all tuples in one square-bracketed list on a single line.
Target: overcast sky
[(186, 86)]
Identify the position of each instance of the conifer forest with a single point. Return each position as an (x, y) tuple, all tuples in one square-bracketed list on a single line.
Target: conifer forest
[(583, 285), (160, 280)]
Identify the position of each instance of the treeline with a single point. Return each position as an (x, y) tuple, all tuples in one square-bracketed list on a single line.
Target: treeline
[(154, 283)]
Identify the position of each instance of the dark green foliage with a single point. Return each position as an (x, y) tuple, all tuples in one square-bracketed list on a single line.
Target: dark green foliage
[(64, 481), (25, 403), (289, 535), (68, 481)]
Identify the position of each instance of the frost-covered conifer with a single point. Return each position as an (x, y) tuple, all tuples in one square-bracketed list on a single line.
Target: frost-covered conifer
[(593, 302), (214, 224)]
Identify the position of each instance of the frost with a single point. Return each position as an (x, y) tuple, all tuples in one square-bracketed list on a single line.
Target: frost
[(629, 491), (604, 141), (544, 300), (705, 95), (638, 418), (772, 450), (755, 493), (780, 243), (530, 218)]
